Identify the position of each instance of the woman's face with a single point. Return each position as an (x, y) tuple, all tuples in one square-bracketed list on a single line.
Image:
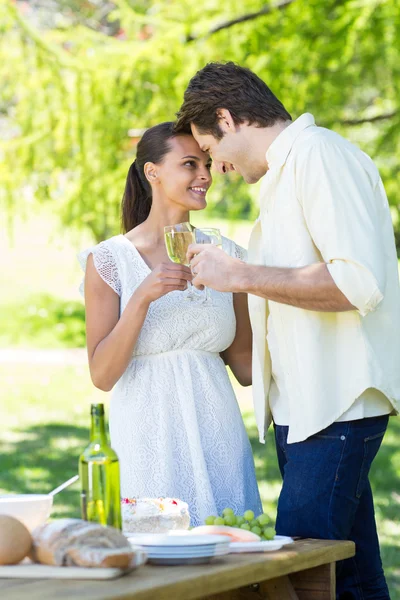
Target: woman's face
[(184, 175)]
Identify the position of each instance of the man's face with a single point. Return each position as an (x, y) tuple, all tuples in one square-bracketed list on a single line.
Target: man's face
[(231, 153)]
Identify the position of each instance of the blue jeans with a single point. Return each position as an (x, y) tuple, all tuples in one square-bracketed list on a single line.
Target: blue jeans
[(326, 494)]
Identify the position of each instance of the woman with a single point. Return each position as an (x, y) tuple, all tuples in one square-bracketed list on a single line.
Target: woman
[(174, 419)]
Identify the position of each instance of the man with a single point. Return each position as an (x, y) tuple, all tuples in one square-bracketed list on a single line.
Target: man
[(324, 305)]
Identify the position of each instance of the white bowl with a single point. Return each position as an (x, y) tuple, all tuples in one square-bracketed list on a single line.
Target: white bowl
[(31, 509)]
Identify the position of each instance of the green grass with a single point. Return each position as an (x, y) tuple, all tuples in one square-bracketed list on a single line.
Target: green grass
[(43, 321), (44, 427)]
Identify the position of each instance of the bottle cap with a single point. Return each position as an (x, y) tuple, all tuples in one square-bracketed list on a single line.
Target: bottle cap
[(97, 409)]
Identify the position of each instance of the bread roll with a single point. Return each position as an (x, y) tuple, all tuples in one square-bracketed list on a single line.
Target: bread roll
[(73, 542), (15, 540), (101, 557)]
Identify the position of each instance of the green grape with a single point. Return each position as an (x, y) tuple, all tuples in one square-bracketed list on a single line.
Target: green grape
[(210, 520), (219, 521), (239, 521), (248, 515), (230, 520), (228, 511), (263, 519), (245, 526), (254, 523), (269, 533), (256, 530)]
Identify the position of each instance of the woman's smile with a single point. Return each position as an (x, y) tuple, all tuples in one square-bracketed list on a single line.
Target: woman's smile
[(199, 190)]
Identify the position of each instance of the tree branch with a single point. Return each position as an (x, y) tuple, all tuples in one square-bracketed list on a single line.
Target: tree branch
[(249, 17), (382, 117), (136, 134)]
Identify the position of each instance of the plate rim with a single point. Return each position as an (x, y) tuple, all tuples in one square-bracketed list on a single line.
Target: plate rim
[(179, 540)]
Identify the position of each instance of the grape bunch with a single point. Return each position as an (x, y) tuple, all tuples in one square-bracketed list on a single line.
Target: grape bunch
[(259, 525)]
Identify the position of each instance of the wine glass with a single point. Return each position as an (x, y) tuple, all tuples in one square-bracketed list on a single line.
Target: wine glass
[(177, 241), (208, 235)]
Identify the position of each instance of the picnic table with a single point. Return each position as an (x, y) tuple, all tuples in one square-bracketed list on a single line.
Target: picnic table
[(304, 570)]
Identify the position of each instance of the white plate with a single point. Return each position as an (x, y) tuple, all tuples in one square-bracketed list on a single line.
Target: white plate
[(199, 560), (188, 550), (269, 546), (284, 538), (159, 540), (181, 554)]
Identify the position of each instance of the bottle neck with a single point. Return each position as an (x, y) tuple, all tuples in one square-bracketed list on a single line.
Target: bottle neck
[(98, 429)]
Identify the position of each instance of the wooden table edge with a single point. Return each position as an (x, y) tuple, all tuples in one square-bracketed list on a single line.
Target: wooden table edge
[(247, 574), (197, 582)]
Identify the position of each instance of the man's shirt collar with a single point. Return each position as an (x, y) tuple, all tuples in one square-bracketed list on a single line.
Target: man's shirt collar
[(280, 148)]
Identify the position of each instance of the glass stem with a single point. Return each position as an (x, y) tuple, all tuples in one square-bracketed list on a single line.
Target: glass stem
[(207, 295), (190, 292)]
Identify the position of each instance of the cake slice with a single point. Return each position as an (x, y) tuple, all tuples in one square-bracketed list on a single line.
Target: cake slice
[(154, 515)]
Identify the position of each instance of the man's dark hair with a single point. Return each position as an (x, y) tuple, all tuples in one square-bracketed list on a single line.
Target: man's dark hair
[(227, 85)]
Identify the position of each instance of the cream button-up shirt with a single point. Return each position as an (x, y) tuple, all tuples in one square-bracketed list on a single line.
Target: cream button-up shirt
[(322, 200)]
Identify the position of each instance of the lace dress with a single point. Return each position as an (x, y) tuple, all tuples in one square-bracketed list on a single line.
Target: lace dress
[(174, 419)]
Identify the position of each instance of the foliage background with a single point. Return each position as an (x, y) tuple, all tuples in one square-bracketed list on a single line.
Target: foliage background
[(79, 81)]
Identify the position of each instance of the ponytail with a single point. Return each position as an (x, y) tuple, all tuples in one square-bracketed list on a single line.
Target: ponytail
[(137, 198), (136, 201)]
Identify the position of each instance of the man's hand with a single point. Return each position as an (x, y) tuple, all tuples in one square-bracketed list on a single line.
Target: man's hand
[(213, 268)]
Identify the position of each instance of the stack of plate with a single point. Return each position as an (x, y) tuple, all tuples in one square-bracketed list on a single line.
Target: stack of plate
[(164, 549)]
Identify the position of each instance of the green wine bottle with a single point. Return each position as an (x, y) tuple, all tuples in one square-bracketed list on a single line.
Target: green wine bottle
[(99, 475)]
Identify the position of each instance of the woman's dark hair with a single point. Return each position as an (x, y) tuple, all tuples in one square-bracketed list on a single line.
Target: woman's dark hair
[(137, 198), (227, 85)]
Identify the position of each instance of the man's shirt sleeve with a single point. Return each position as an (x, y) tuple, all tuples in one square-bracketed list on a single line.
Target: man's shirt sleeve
[(342, 204)]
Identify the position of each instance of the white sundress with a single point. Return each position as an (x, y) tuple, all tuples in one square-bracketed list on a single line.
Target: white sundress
[(174, 419)]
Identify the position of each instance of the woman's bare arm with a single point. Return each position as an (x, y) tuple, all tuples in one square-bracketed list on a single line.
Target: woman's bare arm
[(111, 338), (239, 354)]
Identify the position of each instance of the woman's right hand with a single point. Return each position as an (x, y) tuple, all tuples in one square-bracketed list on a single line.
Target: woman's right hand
[(164, 278)]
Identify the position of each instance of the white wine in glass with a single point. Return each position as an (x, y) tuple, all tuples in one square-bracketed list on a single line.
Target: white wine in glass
[(177, 241), (208, 235)]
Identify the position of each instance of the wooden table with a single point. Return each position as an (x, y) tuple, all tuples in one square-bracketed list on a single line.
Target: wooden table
[(304, 570)]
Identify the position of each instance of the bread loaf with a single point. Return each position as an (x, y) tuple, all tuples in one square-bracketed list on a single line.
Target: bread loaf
[(73, 542), (101, 557)]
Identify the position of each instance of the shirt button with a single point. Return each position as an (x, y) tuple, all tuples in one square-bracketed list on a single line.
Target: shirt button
[(342, 437)]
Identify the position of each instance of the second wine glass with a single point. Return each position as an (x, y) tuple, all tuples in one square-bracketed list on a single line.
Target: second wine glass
[(208, 235)]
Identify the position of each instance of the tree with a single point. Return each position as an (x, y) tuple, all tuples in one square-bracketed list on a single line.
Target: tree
[(74, 97)]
